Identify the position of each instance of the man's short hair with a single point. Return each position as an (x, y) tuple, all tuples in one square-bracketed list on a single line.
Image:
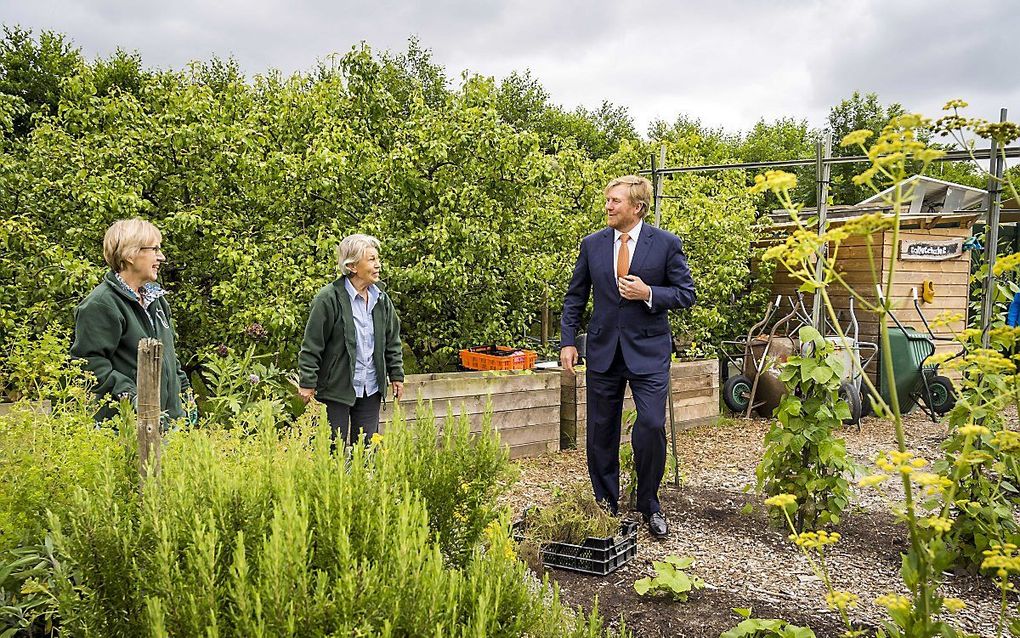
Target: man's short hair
[(639, 190), (352, 250), (125, 238)]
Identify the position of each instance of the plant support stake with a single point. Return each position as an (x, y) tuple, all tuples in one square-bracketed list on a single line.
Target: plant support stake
[(150, 359), (995, 169)]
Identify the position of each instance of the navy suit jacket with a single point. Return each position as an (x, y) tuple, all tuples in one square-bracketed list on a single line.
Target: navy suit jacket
[(643, 333)]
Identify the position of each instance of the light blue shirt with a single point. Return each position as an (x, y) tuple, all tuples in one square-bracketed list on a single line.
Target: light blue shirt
[(365, 381)]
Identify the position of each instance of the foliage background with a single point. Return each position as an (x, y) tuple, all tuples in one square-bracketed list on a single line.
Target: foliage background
[(480, 191)]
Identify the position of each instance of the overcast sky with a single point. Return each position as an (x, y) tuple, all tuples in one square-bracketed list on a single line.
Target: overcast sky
[(728, 63)]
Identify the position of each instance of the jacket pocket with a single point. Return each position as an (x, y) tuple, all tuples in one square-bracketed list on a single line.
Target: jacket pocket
[(655, 331)]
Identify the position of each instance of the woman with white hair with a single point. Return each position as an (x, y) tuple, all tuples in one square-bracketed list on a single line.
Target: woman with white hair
[(351, 350), (126, 307)]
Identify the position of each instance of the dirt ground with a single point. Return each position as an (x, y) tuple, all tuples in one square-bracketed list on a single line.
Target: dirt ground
[(744, 561)]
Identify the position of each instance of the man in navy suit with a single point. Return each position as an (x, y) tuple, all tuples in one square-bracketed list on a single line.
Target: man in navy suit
[(636, 273)]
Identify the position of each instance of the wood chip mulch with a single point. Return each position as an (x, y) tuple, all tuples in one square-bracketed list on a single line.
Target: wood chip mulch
[(745, 561)]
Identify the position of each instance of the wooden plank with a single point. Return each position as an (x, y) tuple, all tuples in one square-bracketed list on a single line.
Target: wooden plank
[(534, 449), (509, 418), (501, 404), (530, 434), (427, 387)]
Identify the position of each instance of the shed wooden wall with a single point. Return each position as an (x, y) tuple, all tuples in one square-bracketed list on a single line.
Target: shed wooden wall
[(950, 277)]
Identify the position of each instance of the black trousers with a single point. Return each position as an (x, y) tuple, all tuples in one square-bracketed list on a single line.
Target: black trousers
[(648, 438), (354, 422)]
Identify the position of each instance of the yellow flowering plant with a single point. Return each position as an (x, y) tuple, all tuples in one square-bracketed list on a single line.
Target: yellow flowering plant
[(933, 500)]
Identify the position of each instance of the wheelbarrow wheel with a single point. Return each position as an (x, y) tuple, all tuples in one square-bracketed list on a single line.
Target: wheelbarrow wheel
[(943, 399), (737, 393), (849, 393), (867, 403)]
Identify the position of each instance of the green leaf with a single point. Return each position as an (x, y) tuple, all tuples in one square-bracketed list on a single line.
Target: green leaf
[(683, 562), (642, 586), (842, 411), (822, 374)]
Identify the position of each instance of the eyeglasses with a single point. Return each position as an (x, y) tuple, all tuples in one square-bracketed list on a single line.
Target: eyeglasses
[(155, 249)]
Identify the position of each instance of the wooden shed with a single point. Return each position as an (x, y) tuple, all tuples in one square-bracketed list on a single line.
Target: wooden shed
[(930, 250)]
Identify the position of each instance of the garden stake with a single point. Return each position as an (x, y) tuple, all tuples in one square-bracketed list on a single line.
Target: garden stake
[(150, 358), (672, 430)]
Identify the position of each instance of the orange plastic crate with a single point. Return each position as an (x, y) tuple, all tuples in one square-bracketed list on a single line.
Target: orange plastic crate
[(497, 358)]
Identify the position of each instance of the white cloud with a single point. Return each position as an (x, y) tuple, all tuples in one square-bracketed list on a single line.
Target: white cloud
[(726, 62)]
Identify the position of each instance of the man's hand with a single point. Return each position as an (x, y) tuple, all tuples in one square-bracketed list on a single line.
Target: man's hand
[(398, 389), (307, 394), (568, 357), (631, 287)]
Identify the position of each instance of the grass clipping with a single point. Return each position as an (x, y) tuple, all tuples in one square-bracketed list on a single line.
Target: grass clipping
[(573, 516)]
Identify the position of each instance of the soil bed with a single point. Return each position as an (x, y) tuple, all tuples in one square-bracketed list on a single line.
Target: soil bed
[(744, 561)]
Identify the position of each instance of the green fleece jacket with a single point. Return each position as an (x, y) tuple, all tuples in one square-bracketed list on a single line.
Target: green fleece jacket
[(108, 325), (329, 349)]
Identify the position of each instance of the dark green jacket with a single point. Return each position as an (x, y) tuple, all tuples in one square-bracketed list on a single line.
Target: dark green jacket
[(329, 349), (108, 325)]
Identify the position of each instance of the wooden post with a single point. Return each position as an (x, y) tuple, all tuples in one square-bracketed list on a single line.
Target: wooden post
[(546, 319), (150, 366)]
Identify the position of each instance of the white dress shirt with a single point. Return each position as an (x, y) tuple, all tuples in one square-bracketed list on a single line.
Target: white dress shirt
[(632, 238)]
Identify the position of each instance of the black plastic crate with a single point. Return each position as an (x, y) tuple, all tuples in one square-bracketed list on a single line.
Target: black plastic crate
[(594, 555)]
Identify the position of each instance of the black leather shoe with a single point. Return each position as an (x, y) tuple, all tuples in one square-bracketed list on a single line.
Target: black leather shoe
[(657, 525)]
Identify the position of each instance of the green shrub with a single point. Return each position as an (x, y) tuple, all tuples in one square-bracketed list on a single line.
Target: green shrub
[(44, 458), (269, 534), (802, 456)]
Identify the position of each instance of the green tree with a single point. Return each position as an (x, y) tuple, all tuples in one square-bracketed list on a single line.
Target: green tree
[(32, 69), (857, 112)]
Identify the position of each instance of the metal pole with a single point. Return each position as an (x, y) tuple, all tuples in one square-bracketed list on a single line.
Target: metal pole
[(823, 149), (669, 379), (658, 185), (951, 156), (995, 170)]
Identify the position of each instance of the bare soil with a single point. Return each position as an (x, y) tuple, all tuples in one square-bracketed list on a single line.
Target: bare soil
[(745, 561)]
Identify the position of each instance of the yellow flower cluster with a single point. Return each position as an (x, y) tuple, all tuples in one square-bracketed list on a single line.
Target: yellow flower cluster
[(1002, 132), (937, 523), (896, 461), (894, 602), (856, 138), (775, 181), (987, 361), (1006, 264), (869, 224), (815, 540), (946, 318), (1007, 440), (799, 247), (954, 104), (954, 605), (376, 439), (873, 480), (781, 500), (841, 600), (1003, 559), (933, 484), (972, 429)]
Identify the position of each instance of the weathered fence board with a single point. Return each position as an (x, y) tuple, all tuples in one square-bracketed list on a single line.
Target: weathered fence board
[(694, 392), (525, 405)]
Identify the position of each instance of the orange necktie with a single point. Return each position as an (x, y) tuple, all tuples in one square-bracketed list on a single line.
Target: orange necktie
[(623, 257)]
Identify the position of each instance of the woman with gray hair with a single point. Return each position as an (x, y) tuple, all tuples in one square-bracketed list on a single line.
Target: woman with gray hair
[(126, 307), (351, 349)]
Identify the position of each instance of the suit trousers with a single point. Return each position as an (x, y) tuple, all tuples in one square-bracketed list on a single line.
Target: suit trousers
[(648, 438), (354, 422)]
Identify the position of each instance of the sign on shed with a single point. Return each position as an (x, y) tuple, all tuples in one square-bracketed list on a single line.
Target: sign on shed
[(930, 250)]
